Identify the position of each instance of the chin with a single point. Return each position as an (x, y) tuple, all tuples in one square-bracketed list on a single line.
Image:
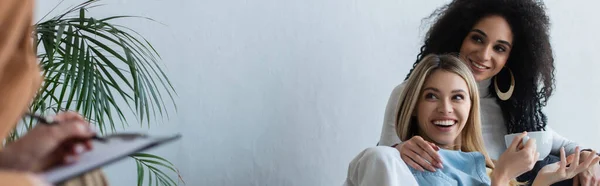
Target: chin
[(445, 141), (480, 78)]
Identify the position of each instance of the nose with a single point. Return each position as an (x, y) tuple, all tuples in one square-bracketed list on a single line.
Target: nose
[(485, 53), (445, 107)]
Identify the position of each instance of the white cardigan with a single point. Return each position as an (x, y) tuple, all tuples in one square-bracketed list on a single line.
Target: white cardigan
[(492, 122)]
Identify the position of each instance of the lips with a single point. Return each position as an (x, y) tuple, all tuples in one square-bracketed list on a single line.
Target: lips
[(478, 66), (444, 123)]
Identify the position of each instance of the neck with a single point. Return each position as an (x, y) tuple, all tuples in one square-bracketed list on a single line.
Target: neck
[(484, 87), (450, 146)]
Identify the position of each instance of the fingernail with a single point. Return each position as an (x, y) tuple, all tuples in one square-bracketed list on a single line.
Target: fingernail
[(81, 127), (440, 165), (50, 119), (79, 148), (92, 130)]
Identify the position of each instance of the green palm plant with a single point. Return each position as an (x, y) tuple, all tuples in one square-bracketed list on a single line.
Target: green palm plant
[(103, 70)]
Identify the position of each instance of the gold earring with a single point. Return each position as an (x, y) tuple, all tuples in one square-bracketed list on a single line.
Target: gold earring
[(505, 95)]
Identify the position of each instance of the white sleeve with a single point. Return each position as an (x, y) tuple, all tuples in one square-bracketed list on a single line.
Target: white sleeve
[(388, 131), (559, 141)]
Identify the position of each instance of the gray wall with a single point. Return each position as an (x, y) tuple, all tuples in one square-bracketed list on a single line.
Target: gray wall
[(287, 92)]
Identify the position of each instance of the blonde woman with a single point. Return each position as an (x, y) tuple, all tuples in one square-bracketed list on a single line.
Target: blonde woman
[(20, 79), (441, 105)]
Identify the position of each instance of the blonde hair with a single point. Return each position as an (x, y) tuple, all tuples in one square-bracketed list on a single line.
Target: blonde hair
[(470, 138)]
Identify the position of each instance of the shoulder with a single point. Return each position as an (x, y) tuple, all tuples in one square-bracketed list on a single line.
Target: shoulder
[(398, 89), (393, 101)]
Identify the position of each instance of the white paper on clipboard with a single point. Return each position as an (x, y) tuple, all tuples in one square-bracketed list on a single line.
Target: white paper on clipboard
[(104, 153)]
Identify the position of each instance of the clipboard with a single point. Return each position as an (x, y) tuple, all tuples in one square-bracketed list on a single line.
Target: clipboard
[(115, 148)]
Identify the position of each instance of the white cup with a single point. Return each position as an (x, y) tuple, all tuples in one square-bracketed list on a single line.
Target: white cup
[(543, 141)]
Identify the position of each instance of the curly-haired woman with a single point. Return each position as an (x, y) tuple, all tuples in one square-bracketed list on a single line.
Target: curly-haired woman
[(506, 44)]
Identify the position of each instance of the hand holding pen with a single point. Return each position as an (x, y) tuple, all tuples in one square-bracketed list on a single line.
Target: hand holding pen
[(60, 141), (50, 121)]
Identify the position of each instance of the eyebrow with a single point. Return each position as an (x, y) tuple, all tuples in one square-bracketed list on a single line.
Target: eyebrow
[(437, 90), (485, 35), (459, 90)]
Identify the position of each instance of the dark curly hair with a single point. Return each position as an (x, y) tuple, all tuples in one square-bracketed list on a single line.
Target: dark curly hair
[(530, 59)]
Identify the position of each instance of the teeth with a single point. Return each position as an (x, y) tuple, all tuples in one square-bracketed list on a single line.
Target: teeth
[(477, 65), (444, 122)]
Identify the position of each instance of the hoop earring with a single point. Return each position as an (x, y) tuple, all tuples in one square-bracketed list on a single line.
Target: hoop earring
[(505, 95)]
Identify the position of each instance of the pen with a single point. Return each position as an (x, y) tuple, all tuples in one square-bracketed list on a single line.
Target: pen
[(49, 121)]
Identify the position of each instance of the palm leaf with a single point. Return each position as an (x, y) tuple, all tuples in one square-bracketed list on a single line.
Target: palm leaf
[(155, 165), (99, 68)]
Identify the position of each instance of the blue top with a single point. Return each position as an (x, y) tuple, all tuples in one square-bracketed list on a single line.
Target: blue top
[(460, 168)]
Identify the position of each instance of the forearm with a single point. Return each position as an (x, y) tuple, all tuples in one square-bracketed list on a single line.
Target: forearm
[(540, 180), (559, 141), (389, 136), (7, 160), (499, 179), (10, 159), (500, 182)]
